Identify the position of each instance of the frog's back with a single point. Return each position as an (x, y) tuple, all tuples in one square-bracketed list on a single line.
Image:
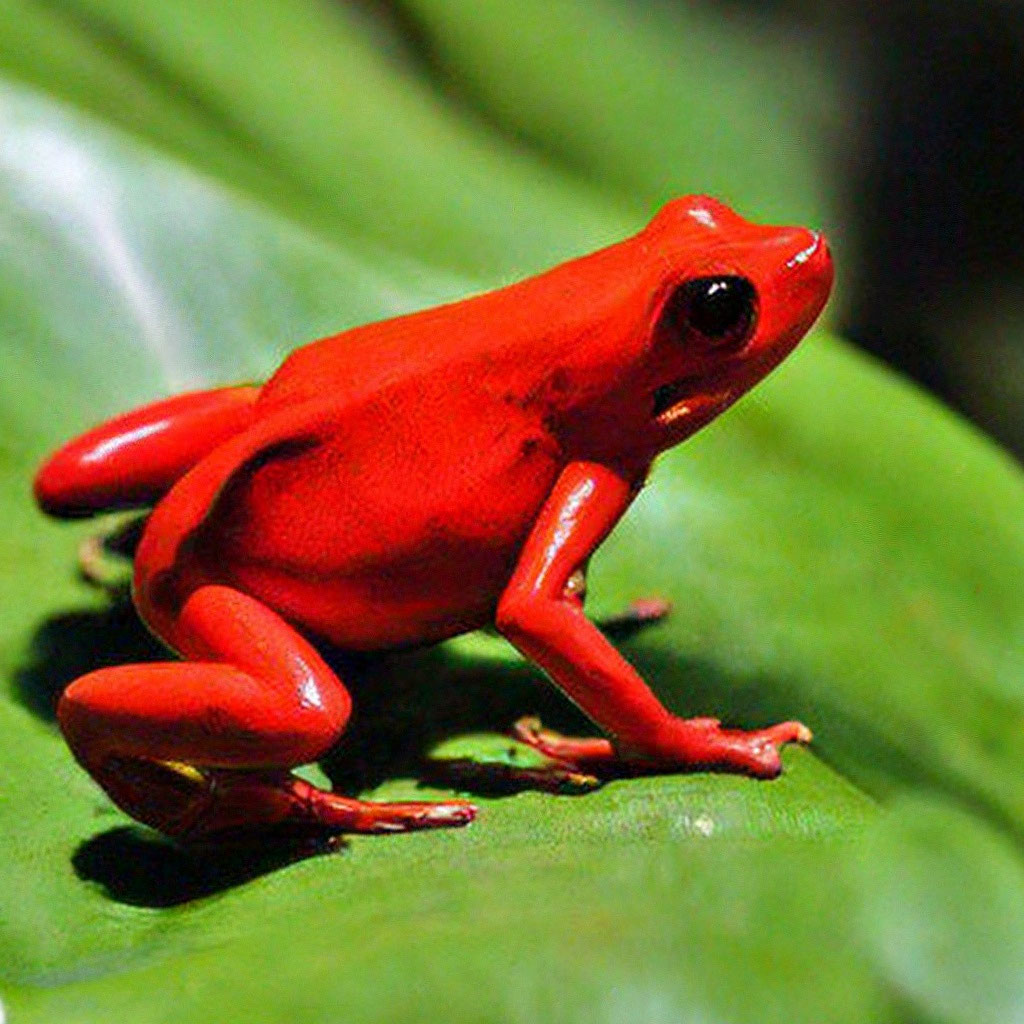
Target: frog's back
[(510, 335)]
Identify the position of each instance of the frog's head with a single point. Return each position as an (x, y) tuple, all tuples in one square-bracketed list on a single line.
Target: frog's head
[(728, 301)]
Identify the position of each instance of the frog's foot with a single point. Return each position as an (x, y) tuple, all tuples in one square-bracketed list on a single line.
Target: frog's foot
[(287, 804), (691, 743)]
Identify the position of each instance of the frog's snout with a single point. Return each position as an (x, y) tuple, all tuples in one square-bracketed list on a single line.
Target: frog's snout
[(811, 262), (805, 275)]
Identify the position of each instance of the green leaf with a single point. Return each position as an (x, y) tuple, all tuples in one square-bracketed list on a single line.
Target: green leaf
[(838, 548), (943, 913), (345, 138), (653, 100)]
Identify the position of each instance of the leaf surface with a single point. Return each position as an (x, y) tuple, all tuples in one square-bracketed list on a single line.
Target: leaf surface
[(838, 548)]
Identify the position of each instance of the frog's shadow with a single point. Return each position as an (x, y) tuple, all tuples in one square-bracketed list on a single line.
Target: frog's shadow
[(404, 704)]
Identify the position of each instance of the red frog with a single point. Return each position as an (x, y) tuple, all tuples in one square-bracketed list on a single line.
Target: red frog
[(407, 481)]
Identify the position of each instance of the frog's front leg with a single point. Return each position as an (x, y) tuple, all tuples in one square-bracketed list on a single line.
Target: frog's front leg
[(203, 748), (541, 614)]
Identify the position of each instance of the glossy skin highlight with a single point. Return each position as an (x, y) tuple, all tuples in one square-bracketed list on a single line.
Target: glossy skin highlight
[(403, 482)]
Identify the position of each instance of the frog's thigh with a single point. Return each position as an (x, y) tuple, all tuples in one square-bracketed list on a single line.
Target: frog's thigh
[(257, 696)]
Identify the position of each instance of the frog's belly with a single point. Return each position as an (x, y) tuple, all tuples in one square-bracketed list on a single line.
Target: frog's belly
[(393, 607), (377, 556)]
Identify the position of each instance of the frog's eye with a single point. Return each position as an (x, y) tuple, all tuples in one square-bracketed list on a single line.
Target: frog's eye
[(720, 311)]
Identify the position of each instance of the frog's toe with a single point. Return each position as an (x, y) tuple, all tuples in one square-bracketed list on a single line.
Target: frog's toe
[(636, 616), (347, 815), (452, 814), (582, 754), (790, 732)]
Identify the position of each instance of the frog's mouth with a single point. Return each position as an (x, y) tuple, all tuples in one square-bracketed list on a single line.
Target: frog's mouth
[(688, 397)]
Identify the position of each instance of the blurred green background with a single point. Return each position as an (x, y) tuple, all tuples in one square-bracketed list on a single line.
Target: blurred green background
[(188, 190)]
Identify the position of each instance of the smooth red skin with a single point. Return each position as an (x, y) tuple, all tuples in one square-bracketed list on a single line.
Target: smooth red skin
[(136, 458), (398, 484)]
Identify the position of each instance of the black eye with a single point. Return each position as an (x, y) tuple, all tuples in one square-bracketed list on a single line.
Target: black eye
[(720, 310)]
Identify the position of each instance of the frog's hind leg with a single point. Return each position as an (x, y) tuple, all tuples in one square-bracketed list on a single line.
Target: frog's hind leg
[(203, 748), (134, 459)]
